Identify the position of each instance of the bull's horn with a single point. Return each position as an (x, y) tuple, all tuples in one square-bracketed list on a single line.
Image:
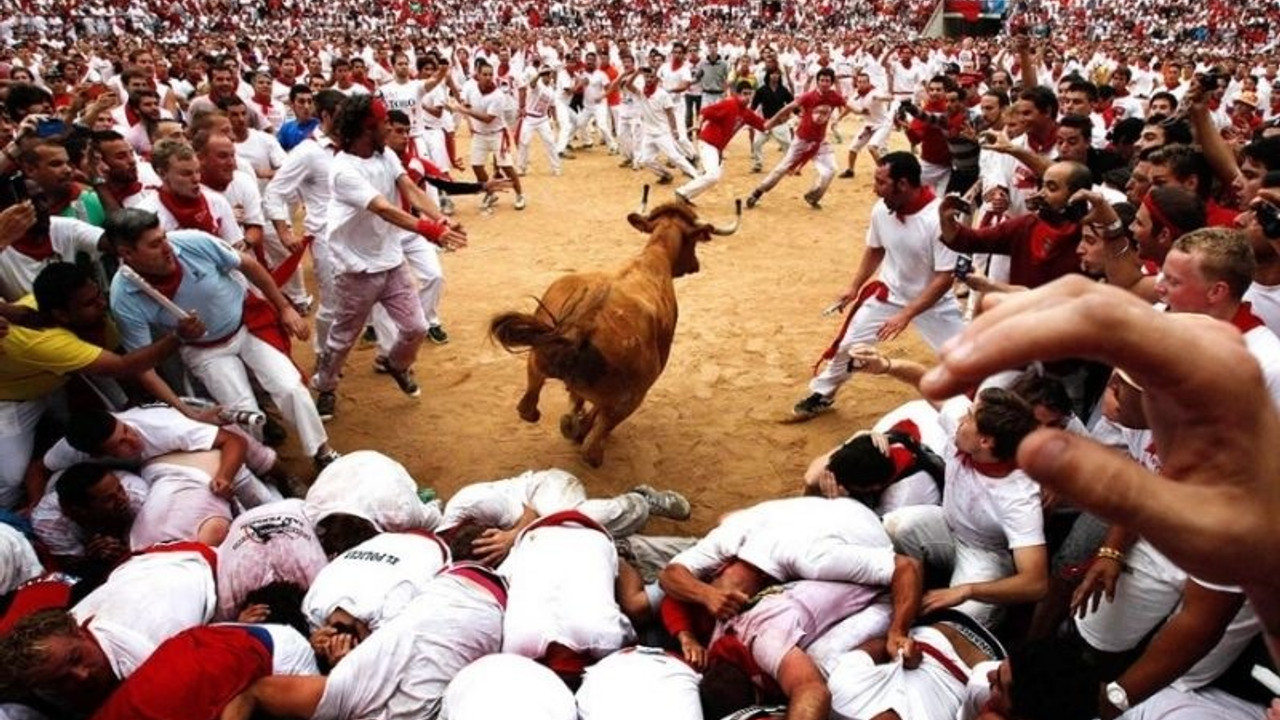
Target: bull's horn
[(733, 227), (644, 201)]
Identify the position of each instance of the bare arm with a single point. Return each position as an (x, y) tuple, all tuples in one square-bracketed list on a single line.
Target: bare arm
[(109, 364), (449, 238), (231, 453), (781, 116), (804, 686), (1028, 584)]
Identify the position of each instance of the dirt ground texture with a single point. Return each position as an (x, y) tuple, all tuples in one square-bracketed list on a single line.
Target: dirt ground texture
[(750, 330)]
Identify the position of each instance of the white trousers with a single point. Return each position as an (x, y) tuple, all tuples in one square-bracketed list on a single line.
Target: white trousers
[(935, 176), (781, 134), (937, 324), (600, 114), (224, 371), (428, 274), (570, 122), (628, 128), (922, 532), (654, 146), (18, 420), (322, 266), (431, 146), (712, 171), (824, 163), (541, 127), (295, 288), (1146, 593)]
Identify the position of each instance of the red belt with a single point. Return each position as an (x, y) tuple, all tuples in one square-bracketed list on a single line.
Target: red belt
[(483, 577), (947, 663), (215, 343)]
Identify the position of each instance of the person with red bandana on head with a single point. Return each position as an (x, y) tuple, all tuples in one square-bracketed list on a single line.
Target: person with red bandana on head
[(365, 221), (915, 282), (816, 109)]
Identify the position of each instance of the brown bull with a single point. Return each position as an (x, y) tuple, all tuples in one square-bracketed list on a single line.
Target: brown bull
[(608, 335)]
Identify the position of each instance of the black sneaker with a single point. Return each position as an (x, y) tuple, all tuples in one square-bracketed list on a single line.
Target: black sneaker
[(665, 179), (845, 175), (381, 365), (404, 378), (752, 199), (437, 335), (812, 198), (326, 405), (812, 406), (370, 335)]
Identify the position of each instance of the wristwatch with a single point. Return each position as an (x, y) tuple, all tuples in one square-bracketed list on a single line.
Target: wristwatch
[(1117, 696)]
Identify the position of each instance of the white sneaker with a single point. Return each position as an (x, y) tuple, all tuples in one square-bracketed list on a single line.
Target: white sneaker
[(520, 202), (489, 201)]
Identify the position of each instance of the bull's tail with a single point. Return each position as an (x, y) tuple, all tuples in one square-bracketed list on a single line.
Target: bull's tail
[(564, 353)]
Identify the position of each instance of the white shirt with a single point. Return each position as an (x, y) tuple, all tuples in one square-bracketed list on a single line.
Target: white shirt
[(597, 81), (991, 513), (799, 538), (907, 80), (491, 103), (404, 97), (376, 579), (371, 486), (435, 99), (68, 237), (672, 78), (640, 683), (500, 503), (60, 534), (538, 100), (262, 151), (304, 174), (245, 199), (652, 110), (147, 600), (18, 561), (359, 240), (913, 250), (529, 690), (1264, 346), (1266, 304)]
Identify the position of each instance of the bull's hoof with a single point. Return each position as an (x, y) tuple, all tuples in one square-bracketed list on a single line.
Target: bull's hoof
[(570, 425), (594, 456), (530, 415)]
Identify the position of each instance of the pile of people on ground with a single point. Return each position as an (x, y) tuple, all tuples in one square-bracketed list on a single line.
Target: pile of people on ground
[(1075, 521)]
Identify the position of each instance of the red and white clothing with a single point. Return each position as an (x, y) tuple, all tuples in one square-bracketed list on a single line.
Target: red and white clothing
[(488, 137), (527, 688), (810, 143), (401, 671), (147, 600), (935, 690), (674, 77), (270, 543), (874, 104), (63, 536), (639, 683), (18, 561), (913, 254), (210, 212), (539, 103), (987, 512), (905, 80), (376, 579), (22, 261), (656, 135), (373, 487), (1263, 299), (720, 121), (799, 538), (562, 572)]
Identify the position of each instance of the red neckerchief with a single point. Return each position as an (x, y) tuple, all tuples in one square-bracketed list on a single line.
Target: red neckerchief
[(168, 286), (1245, 320), (120, 192), (191, 213), (924, 197), (265, 106), (1039, 146), (868, 91), (131, 116), (57, 208), (649, 91), (1109, 116), (504, 69), (676, 65), (997, 469), (37, 247), (902, 459)]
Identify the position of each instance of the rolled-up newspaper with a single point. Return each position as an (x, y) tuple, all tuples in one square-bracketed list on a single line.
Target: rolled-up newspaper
[(1268, 679), (132, 276)]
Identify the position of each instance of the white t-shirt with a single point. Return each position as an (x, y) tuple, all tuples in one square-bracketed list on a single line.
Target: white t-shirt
[(500, 503), (529, 690), (60, 534), (245, 198), (359, 240), (913, 250), (67, 236), (262, 151), (562, 580), (147, 600), (491, 103), (376, 579), (372, 486), (799, 538), (1264, 346), (672, 78), (18, 561), (991, 513), (640, 683), (597, 81), (538, 99), (652, 110), (1266, 304), (435, 99), (907, 80), (161, 429)]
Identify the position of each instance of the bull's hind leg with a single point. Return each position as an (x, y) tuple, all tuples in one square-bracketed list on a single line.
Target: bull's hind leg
[(528, 406), (605, 420), (575, 423)]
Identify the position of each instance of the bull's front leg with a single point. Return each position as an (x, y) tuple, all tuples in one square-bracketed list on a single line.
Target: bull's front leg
[(605, 419), (528, 406)]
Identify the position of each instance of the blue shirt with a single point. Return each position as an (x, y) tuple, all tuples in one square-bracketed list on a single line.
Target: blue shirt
[(210, 286), (293, 132)]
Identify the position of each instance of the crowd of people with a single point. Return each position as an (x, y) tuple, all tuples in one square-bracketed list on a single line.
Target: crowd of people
[(1075, 520)]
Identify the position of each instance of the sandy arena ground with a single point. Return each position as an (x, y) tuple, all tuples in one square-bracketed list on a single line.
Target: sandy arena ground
[(713, 426)]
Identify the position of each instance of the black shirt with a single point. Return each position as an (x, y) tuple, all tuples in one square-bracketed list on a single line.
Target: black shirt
[(768, 101)]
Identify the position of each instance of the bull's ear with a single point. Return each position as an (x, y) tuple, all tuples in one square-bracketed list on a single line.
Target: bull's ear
[(640, 222)]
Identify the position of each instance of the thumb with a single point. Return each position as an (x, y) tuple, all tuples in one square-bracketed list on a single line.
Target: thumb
[(1105, 482)]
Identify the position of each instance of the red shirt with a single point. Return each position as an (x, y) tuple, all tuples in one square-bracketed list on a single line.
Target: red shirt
[(817, 107), (1039, 253), (722, 119)]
